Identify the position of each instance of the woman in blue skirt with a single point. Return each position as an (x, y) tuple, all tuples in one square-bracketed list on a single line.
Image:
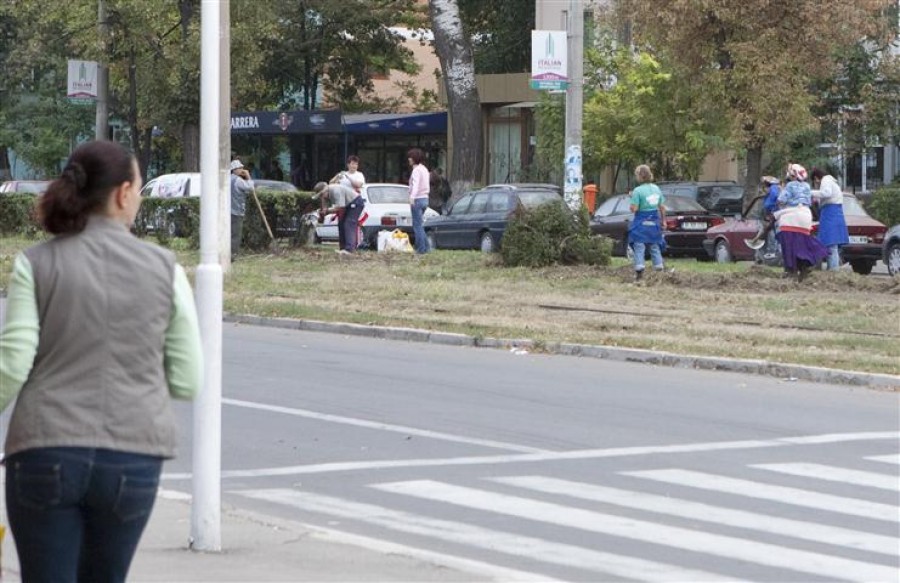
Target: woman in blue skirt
[(832, 226)]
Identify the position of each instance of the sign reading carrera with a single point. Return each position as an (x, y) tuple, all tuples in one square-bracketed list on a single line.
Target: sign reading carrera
[(244, 122)]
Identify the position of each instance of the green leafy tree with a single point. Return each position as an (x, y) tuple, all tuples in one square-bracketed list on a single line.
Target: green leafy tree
[(756, 58), (501, 33), (286, 53)]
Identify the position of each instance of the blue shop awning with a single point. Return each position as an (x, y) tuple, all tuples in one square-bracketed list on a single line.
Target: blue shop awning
[(396, 123)]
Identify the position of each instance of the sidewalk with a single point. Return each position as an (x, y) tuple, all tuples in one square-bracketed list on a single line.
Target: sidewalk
[(262, 548)]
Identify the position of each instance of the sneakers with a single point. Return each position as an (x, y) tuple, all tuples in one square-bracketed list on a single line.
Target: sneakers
[(638, 275), (343, 252), (754, 243)]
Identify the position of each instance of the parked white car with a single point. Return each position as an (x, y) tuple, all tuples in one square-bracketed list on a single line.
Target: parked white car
[(188, 184), (173, 185), (387, 208)]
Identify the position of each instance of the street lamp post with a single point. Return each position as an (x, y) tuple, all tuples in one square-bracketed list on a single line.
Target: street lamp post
[(207, 453)]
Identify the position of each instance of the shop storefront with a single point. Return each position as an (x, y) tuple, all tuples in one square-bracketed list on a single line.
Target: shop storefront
[(307, 146)]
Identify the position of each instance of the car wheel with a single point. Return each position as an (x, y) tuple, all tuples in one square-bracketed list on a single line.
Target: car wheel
[(487, 242), (432, 244), (723, 253), (892, 258), (862, 266)]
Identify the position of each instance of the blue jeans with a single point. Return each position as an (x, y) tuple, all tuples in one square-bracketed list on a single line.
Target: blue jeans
[(833, 261), (78, 513), (655, 255), (417, 208)]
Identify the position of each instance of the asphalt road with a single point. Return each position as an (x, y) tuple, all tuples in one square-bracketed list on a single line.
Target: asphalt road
[(558, 467)]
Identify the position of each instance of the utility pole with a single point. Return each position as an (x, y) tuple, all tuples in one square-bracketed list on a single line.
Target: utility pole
[(225, 250), (101, 122), (206, 519), (574, 102)]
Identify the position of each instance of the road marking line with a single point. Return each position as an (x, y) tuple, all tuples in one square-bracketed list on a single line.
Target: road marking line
[(470, 566), (543, 457), (382, 426), (650, 532), (821, 533), (482, 538), (888, 459), (783, 494), (835, 474)]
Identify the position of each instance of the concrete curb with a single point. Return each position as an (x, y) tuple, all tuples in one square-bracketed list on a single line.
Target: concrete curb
[(747, 366)]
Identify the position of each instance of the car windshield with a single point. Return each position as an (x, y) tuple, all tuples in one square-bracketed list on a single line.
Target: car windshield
[(389, 194), (535, 198), (680, 204), (853, 208)]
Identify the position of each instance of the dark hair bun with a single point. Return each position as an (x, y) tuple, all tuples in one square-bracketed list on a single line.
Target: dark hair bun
[(75, 172)]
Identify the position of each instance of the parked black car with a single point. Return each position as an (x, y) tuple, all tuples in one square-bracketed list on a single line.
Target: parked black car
[(478, 219), (686, 225), (723, 197)]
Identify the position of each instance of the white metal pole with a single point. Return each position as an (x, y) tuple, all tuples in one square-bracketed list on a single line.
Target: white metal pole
[(574, 103), (207, 454)]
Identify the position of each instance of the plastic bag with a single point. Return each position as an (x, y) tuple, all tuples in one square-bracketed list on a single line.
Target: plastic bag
[(395, 240)]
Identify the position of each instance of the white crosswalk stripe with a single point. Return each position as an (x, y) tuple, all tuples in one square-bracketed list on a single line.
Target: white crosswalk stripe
[(833, 474), (474, 536), (655, 533), (820, 533), (888, 459), (782, 494)]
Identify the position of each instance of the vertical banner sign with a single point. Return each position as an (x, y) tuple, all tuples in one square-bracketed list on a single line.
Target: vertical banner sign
[(549, 65), (572, 190), (82, 81)]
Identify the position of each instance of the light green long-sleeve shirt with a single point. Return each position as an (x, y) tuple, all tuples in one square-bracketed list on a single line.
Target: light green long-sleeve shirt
[(21, 331)]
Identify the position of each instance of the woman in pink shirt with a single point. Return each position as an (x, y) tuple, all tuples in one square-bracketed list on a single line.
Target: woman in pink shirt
[(419, 188)]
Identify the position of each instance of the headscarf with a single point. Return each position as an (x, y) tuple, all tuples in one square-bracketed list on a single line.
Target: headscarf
[(796, 172)]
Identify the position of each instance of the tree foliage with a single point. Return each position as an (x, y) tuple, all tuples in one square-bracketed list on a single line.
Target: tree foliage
[(757, 58), (283, 51), (298, 49), (638, 112), (501, 33)]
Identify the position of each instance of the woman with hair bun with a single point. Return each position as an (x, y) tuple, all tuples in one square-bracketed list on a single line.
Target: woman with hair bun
[(101, 332)]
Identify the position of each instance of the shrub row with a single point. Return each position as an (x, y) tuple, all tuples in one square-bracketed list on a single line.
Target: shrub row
[(165, 218), (885, 204), (551, 234)]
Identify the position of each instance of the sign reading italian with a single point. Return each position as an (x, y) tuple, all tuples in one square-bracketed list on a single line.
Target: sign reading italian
[(549, 66)]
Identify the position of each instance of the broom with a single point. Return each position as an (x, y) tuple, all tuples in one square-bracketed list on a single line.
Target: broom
[(272, 245)]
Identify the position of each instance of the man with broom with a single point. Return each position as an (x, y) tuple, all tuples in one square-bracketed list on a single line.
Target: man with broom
[(241, 185)]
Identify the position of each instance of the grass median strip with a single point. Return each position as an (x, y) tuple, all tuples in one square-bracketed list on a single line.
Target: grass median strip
[(834, 320)]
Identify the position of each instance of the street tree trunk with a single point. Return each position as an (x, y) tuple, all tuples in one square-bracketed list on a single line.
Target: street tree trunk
[(754, 172), (454, 50)]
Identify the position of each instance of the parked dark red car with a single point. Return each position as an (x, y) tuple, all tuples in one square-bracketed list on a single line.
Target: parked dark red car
[(686, 225), (725, 242)]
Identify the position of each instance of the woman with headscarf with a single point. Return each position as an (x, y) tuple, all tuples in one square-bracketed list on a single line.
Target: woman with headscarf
[(799, 249)]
